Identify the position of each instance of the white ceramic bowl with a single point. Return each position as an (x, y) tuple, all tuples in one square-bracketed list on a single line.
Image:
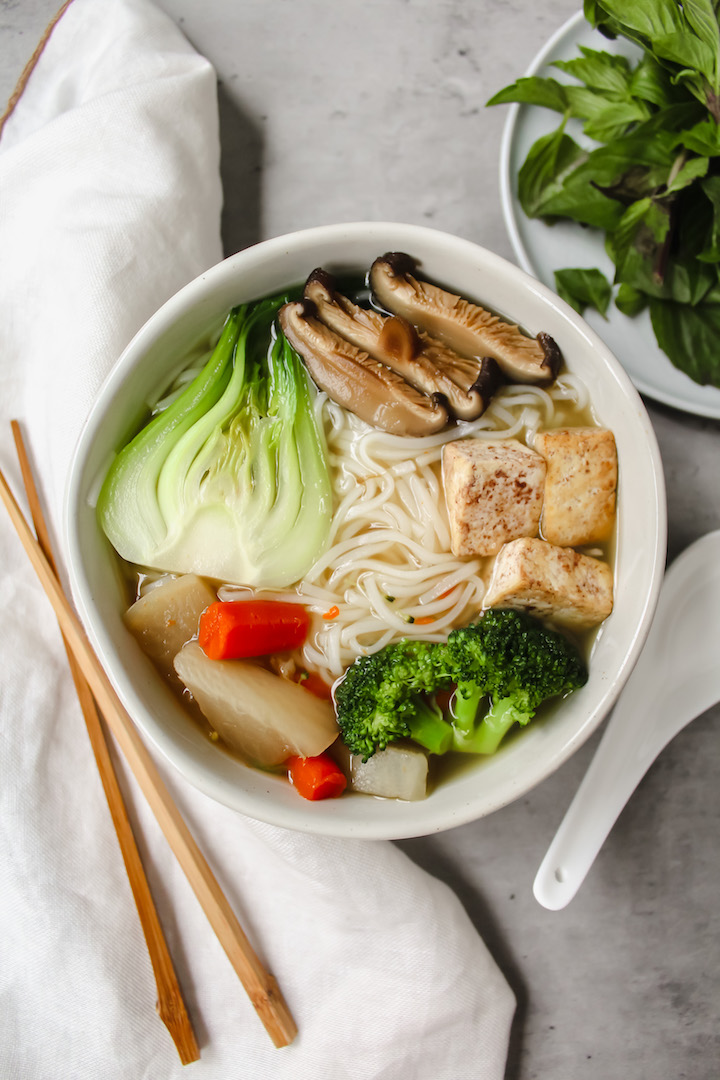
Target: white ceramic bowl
[(142, 372)]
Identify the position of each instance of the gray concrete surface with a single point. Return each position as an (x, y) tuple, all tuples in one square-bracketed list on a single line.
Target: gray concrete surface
[(375, 110)]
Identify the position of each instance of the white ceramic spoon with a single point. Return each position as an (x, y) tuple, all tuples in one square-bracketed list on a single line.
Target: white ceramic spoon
[(676, 678)]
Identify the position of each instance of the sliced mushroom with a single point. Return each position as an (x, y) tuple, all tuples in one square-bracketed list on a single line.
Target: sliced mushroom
[(357, 382), (429, 365), (465, 327)]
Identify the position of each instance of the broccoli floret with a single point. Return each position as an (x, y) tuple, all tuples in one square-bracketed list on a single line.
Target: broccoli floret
[(378, 700), (507, 658), (429, 727), (515, 661)]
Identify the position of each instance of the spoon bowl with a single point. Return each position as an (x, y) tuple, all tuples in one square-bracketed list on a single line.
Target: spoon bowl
[(676, 678)]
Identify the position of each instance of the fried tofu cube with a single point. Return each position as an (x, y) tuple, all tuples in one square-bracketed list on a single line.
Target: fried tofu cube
[(493, 492), (580, 485), (551, 582)]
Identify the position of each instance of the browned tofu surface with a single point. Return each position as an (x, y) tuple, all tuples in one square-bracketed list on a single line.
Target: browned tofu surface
[(551, 582), (580, 485), (493, 492)]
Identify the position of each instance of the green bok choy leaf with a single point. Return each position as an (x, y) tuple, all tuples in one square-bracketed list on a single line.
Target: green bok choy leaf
[(230, 480)]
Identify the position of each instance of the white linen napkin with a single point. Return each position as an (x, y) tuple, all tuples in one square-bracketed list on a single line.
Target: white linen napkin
[(110, 200)]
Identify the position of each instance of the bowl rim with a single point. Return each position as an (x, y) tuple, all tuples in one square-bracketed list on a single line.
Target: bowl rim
[(183, 761)]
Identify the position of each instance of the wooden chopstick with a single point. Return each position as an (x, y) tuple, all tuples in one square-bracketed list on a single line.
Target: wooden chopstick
[(170, 1004), (261, 987)]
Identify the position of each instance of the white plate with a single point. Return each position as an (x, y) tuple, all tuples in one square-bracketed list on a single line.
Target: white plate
[(541, 249)]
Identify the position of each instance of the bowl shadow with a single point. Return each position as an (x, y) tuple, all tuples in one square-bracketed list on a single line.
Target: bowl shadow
[(241, 172)]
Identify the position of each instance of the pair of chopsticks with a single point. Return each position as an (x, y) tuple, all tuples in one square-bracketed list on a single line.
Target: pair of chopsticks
[(98, 698)]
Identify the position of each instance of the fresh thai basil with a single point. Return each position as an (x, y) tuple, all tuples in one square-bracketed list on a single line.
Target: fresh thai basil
[(647, 174)]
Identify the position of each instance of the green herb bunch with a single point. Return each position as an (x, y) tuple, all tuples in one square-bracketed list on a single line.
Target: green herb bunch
[(652, 182)]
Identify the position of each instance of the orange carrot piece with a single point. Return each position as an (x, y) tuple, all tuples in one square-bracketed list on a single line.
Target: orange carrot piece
[(316, 777), (231, 630), (316, 685)]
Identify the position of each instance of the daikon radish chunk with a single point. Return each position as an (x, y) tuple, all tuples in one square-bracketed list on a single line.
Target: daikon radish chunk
[(167, 616), (397, 772), (261, 715)]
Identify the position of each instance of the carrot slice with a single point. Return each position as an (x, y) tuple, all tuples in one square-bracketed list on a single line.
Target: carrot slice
[(316, 777), (316, 685), (235, 629)]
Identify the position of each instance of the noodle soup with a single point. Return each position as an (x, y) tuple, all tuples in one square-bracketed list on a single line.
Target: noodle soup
[(387, 573), (100, 589)]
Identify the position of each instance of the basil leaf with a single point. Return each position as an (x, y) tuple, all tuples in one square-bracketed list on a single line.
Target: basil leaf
[(686, 281), (693, 221), (687, 51), (702, 138), (672, 119), (711, 251), (582, 287), (712, 296), (585, 104), (660, 27), (687, 174), (651, 82), (595, 15), (599, 70), (546, 187), (627, 169), (583, 202), (615, 119), (548, 93), (638, 247), (630, 300), (702, 17), (642, 229), (550, 159), (689, 337), (651, 18), (624, 170), (607, 164)]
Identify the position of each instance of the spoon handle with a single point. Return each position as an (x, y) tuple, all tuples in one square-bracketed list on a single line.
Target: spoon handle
[(621, 760), (659, 699)]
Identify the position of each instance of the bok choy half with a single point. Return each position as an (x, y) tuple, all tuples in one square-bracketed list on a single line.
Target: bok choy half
[(230, 480)]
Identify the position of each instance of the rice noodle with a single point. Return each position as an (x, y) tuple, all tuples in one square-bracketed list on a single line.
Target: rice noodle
[(388, 572)]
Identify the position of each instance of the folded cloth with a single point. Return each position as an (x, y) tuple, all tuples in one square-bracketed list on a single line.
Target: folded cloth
[(111, 200)]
